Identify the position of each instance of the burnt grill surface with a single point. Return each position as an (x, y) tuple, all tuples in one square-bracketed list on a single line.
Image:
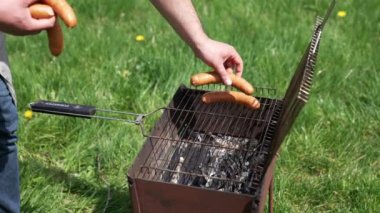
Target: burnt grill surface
[(215, 146)]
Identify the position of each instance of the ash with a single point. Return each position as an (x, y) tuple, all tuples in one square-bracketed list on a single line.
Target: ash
[(216, 162)]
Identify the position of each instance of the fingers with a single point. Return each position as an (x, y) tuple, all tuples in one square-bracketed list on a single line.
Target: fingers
[(29, 2), (41, 24), (229, 70), (238, 62), (234, 60), (224, 75), (220, 56), (233, 63), (30, 25)]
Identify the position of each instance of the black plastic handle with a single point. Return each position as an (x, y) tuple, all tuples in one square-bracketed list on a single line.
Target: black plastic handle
[(61, 108)]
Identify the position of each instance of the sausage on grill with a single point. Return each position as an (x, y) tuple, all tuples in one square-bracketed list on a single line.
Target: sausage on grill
[(231, 96)]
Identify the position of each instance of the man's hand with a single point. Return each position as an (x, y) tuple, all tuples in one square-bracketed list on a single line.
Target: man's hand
[(219, 56), (16, 19)]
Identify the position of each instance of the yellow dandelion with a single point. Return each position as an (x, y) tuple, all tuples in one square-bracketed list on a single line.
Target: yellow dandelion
[(342, 13), (126, 73), (140, 38), (28, 114)]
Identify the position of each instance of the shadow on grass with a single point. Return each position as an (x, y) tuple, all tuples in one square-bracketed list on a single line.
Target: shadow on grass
[(108, 198)]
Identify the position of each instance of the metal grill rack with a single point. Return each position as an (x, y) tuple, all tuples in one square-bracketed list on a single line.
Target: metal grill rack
[(193, 141)]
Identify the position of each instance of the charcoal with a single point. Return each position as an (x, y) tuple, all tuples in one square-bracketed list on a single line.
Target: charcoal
[(219, 162)]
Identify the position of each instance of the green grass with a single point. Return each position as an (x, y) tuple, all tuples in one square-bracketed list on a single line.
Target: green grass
[(329, 162)]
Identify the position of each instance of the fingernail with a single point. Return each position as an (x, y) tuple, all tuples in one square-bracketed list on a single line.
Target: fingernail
[(228, 82)]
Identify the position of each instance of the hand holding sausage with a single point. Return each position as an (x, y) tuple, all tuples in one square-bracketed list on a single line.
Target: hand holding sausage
[(48, 10), (219, 55), (15, 18)]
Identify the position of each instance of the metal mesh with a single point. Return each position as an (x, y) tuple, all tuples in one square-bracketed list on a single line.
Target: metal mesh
[(217, 146), (298, 91)]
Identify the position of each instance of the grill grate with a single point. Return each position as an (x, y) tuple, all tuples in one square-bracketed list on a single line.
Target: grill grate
[(217, 146)]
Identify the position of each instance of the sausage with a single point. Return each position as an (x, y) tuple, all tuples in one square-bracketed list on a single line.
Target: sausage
[(214, 78), (55, 37), (41, 11), (231, 96), (64, 11)]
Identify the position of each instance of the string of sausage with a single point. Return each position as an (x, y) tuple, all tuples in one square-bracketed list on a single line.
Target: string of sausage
[(48, 10), (214, 78)]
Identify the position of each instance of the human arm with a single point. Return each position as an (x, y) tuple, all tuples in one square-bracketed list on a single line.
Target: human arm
[(183, 18), (16, 19)]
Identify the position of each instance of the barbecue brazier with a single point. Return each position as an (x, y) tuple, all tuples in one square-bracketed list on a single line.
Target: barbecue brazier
[(218, 157)]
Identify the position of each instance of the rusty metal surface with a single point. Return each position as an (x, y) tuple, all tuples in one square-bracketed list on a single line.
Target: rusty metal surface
[(265, 187), (158, 197)]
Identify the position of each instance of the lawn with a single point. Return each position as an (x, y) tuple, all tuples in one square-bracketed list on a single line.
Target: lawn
[(329, 162)]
